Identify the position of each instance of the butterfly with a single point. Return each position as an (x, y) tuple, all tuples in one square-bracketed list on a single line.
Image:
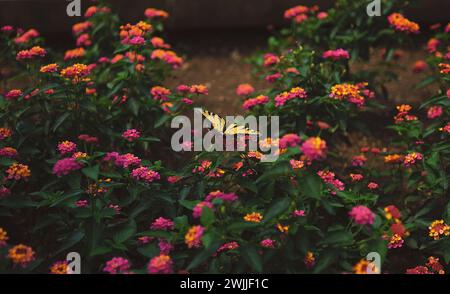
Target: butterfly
[(218, 124)]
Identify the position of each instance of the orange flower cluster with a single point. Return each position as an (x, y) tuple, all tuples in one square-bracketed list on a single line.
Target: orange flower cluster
[(168, 56), (59, 268), (81, 27), (92, 10), (254, 217), (36, 51), (438, 228), (25, 37), (3, 237), (18, 171), (309, 260), (445, 68), (349, 92), (21, 254), (152, 13), (363, 267), (5, 133), (76, 73), (403, 114), (74, 53), (401, 23), (193, 236), (53, 67), (282, 229), (134, 34)]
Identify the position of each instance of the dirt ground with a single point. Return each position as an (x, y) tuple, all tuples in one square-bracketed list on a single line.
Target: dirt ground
[(218, 60)]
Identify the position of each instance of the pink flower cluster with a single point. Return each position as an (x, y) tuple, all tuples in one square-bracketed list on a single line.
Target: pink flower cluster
[(160, 93), (87, 138), (122, 160), (36, 51), (329, 178), (162, 223), (359, 160), (168, 57), (117, 265), (67, 147), (296, 11), (229, 197), (272, 78), (131, 135), (244, 90), (13, 94), (270, 59), (296, 92), (145, 174), (362, 215), (434, 112), (27, 36), (412, 158), (314, 148), (161, 264), (65, 166), (336, 54), (298, 213), (252, 102), (164, 246), (267, 243), (289, 140), (227, 247), (8, 152)]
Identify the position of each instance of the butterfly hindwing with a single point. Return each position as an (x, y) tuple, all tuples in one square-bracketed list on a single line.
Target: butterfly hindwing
[(218, 124)]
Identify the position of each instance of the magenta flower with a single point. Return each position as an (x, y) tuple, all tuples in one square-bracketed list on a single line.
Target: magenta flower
[(162, 223), (117, 265), (131, 135), (65, 166), (362, 215), (268, 243), (145, 174), (161, 264), (67, 147), (336, 54)]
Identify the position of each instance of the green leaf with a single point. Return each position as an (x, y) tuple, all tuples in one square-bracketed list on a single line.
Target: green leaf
[(189, 204), (251, 256), (65, 197), (312, 186), (126, 232), (60, 121), (134, 106), (207, 217), (70, 242), (91, 172), (337, 238), (101, 250), (204, 254), (240, 226), (325, 260), (149, 251), (276, 209)]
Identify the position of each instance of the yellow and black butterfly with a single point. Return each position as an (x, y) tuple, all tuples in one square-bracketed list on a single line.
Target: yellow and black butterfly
[(218, 124)]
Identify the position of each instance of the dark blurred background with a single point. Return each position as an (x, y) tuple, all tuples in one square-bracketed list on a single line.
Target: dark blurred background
[(49, 16)]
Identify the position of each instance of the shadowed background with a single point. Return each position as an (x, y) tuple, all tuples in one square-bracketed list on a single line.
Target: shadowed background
[(50, 15)]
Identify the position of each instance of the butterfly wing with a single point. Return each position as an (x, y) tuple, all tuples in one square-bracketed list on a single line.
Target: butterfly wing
[(234, 129), (217, 122)]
